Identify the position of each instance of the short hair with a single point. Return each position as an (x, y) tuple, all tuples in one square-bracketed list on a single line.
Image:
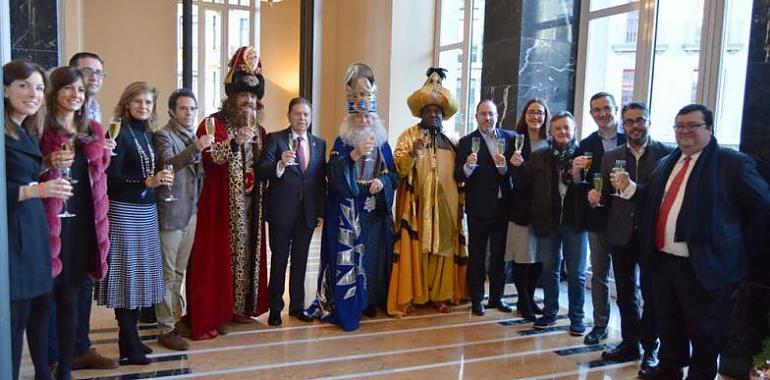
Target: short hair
[(562, 115), (84, 54), (636, 106), (178, 93), (602, 94), (483, 101), (521, 125), (299, 100), (708, 115)]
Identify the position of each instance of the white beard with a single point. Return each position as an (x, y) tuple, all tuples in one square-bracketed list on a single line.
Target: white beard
[(354, 135)]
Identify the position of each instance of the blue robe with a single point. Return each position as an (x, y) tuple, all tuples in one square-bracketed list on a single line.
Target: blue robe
[(357, 239)]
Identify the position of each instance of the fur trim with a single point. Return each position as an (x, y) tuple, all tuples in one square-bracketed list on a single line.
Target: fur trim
[(98, 160)]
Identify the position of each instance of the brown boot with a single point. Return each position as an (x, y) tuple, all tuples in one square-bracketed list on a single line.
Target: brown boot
[(173, 341), (93, 360)]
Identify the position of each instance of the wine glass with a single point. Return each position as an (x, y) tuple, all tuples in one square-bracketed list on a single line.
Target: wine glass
[(618, 169), (589, 158), (519, 142), (501, 150), (475, 146), (293, 147), (66, 175), (170, 197), (114, 130), (598, 186), (67, 149), (211, 128)]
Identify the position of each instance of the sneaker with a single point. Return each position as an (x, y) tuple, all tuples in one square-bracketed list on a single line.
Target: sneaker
[(544, 322), (93, 360), (577, 329), (173, 341)]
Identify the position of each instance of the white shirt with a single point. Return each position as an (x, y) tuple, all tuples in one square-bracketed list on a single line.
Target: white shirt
[(677, 248), (279, 168)]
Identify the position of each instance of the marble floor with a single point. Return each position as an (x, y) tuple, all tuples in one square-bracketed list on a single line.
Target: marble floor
[(423, 345)]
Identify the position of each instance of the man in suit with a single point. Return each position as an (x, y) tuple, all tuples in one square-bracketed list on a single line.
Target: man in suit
[(640, 154), (295, 205), (177, 145), (697, 200), (607, 137), (484, 172)]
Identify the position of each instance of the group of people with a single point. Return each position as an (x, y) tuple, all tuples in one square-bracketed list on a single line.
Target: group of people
[(132, 209)]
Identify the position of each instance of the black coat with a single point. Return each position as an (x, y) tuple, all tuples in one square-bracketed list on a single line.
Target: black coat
[(29, 249), (283, 194)]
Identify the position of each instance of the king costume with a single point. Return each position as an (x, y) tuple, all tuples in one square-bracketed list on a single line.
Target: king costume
[(227, 273), (430, 253), (356, 249)]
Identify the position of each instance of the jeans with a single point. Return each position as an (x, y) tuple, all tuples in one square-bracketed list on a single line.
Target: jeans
[(175, 246), (563, 239), (600, 278)]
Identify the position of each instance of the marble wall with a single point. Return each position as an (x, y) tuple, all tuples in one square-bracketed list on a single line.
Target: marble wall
[(34, 31), (530, 50)]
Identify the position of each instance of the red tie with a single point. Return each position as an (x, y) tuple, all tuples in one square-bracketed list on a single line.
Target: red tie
[(301, 154), (668, 201)]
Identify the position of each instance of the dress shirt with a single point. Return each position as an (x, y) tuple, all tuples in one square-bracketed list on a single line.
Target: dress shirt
[(279, 168), (677, 248)]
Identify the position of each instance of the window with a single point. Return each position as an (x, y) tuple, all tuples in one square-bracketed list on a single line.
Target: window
[(671, 53), (216, 24), (459, 50)]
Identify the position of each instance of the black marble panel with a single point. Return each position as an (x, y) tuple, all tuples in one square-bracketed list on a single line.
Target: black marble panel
[(34, 31)]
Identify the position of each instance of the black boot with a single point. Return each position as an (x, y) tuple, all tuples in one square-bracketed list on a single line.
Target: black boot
[(533, 275), (523, 306), (129, 344)]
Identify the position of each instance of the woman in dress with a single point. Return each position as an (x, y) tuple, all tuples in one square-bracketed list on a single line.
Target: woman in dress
[(135, 271), (79, 244)]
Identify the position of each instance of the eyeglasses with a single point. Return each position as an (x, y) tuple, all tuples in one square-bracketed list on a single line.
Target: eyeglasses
[(637, 121), (99, 74), (689, 127), (535, 113)]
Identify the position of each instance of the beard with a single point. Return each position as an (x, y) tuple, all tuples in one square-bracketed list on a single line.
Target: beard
[(354, 134), (239, 117)]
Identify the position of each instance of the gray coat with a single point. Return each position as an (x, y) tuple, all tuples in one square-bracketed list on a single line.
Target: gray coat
[(175, 145)]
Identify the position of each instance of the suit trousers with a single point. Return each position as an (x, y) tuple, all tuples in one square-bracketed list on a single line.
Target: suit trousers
[(688, 314), (291, 241), (633, 284), (600, 278), (483, 233), (175, 246)]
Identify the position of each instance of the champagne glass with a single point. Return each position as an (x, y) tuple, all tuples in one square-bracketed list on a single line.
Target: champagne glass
[(589, 158), (68, 150), (114, 130), (618, 169), (368, 157), (170, 197), (425, 138), (293, 147), (501, 150), (252, 124), (211, 128), (475, 146), (519, 143), (66, 175), (598, 186)]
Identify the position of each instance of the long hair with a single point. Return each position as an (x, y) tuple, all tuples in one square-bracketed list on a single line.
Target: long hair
[(132, 91), (61, 77), (21, 70), (521, 125)]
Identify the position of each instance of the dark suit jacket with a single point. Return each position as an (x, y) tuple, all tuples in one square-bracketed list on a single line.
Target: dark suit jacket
[(624, 215), (594, 219), (283, 194), (174, 146), (485, 182), (29, 249), (741, 196)]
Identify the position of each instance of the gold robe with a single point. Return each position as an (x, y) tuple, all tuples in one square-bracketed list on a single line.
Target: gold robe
[(430, 254)]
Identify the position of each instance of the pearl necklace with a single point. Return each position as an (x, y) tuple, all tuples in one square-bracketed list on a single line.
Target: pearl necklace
[(147, 159)]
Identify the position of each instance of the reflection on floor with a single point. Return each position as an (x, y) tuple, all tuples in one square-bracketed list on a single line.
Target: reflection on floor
[(424, 345)]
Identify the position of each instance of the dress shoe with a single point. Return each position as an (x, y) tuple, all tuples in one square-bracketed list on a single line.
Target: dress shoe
[(623, 352), (544, 322), (302, 315), (661, 373), (274, 319), (500, 305), (93, 360), (650, 358), (596, 335), (223, 329), (477, 309), (173, 341)]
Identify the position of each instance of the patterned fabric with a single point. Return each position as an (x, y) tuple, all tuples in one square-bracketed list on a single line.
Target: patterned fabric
[(135, 275)]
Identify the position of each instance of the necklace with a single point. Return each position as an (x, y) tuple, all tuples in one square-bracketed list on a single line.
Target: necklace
[(147, 159)]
